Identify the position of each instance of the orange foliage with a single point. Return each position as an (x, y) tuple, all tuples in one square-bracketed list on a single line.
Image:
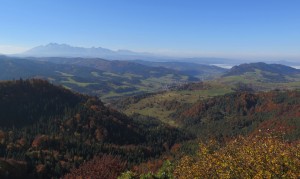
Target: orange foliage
[(40, 168), (273, 126), (150, 166), (175, 148), (95, 108), (100, 134), (106, 166), (251, 157), (22, 142), (39, 140), (2, 136)]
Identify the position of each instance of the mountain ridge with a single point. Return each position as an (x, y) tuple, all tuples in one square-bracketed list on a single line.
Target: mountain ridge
[(65, 50)]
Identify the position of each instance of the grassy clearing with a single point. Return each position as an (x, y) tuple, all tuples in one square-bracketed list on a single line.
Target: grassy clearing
[(111, 74), (70, 80), (260, 85), (130, 75), (64, 74), (154, 105), (95, 74), (256, 79)]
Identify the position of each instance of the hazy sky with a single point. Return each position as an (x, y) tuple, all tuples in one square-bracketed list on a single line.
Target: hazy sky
[(251, 28)]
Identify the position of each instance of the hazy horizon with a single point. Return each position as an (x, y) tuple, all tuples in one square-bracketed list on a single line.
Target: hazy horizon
[(242, 58), (235, 29)]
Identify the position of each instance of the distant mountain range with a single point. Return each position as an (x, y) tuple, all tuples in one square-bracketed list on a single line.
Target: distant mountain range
[(64, 50)]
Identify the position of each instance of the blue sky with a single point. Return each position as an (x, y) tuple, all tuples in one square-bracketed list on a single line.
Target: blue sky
[(220, 28)]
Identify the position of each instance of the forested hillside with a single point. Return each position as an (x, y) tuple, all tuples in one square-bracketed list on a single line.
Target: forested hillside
[(239, 135), (47, 130), (244, 113), (24, 102)]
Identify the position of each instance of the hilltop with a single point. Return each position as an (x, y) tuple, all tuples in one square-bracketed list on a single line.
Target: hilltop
[(265, 72)]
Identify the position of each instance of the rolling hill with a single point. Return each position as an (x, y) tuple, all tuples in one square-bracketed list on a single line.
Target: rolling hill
[(244, 113), (261, 77), (116, 66), (243, 78), (265, 72), (217, 111), (94, 76), (162, 104), (201, 71)]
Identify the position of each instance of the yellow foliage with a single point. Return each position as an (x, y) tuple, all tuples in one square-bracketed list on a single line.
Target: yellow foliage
[(255, 157)]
